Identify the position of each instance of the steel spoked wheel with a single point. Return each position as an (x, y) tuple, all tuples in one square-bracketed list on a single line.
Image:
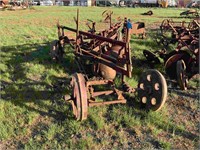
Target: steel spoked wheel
[(164, 26), (152, 90), (79, 96), (181, 74)]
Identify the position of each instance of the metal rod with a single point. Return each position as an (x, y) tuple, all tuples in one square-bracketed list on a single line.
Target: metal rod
[(94, 94), (98, 37), (91, 104), (108, 63), (99, 82)]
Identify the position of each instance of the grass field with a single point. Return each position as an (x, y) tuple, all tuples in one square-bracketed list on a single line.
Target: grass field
[(33, 114)]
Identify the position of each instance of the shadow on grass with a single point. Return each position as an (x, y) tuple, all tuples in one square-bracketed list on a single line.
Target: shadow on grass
[(21, 90), (193, 95)]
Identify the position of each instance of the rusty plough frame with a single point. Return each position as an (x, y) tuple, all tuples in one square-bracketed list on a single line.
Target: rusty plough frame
[(169, 31), (185, 59), (182, 63), (138, 28), (107, 56)]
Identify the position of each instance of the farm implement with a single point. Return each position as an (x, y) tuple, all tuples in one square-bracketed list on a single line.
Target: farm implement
[(182, 63), (100, 57), (138, 28), (4, 5)]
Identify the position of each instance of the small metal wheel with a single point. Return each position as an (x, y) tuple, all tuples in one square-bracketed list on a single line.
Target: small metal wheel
[(151, 57), (152, 90), (107, 14), (181, 74), (164, 26), (79, 96)]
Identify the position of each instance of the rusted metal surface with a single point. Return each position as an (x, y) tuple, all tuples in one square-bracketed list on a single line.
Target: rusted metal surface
[(187, 55), (123, 101), (174, 62), (92, 28), (138, 28), (182, 63), (171, 32), (109, 53), (79, 96), (107, 15), (152, 90), (181, 74)]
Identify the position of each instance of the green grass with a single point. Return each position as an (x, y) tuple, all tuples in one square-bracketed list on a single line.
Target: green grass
[(33, 114)]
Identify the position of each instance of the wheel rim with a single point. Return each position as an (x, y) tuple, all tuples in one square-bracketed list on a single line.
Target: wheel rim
[(165, 28), (79, 96), (181, 74), (152, 90), (171, 63)]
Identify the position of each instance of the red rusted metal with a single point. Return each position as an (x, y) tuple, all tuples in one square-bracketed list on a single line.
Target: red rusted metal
[(175, 30), (186, 35), (123, 101), (108, 56), (158, 93), (107, 14), (138, 28), (79, 96)]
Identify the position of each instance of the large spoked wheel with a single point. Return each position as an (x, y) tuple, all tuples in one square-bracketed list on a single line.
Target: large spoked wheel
[(152, 90), (79, 96), (181, 74)]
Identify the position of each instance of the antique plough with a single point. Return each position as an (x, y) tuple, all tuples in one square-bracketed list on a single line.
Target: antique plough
[(170, 31), (182, 63), (100, 57), (13, 6)]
